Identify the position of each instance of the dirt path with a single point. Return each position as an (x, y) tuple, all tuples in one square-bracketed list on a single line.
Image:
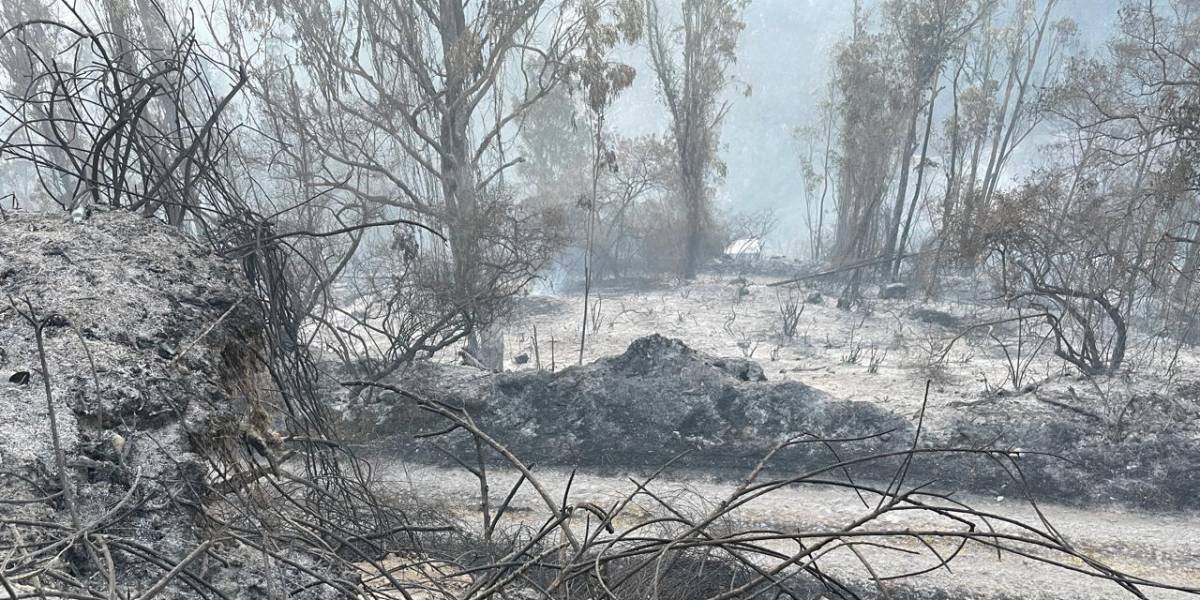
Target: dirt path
[(1162, 547)]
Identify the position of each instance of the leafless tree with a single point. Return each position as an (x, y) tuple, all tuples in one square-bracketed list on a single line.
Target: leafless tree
[(1066, 266), (117, 123)]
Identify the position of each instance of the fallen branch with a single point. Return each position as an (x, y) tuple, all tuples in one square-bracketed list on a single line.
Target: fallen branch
[(843, 269)]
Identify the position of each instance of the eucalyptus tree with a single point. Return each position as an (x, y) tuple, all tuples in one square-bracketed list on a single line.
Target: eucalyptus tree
[(601, 79), (928, 33), (815, 173), (1132, 115), (409, 107), (692, 62), (888, 77), (867, 97), (1102, 235), (1018, 52)]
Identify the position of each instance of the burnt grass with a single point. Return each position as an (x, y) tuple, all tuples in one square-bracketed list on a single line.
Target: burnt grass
[(661, 399)]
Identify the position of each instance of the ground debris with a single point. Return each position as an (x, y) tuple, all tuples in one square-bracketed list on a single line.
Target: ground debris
[(658, 399), (149, 340)]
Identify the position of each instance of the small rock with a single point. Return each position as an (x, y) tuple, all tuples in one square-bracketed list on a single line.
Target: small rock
[(80, 214), (936, 317)]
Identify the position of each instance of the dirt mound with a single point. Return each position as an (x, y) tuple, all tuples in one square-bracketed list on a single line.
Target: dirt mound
[(660, 398), (1147, 456), (658, 356), (149, 341), (657, 399)]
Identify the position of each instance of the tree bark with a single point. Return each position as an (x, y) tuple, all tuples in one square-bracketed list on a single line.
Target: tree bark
[(906, 152), (912, 206)]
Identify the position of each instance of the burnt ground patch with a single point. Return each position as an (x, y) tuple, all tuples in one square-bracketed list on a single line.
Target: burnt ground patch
[(660, 399)]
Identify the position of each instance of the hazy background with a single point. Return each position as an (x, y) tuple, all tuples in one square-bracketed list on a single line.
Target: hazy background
[(783, 56)]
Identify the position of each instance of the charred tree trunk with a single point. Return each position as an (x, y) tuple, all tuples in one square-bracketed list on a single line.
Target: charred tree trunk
[(893, 225), (912, 205), (459, 185)]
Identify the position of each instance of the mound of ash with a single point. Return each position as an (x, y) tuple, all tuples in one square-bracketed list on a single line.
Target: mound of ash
[(661, 398), (656, 400), (149, 343), (1146, 456)]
